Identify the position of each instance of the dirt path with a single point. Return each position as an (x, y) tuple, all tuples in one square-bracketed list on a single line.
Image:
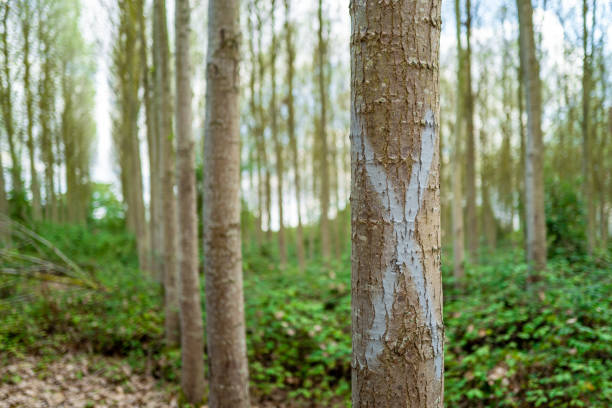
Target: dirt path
[(78, 381)]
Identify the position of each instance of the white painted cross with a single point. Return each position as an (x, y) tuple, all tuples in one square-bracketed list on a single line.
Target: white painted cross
[(402, 215)]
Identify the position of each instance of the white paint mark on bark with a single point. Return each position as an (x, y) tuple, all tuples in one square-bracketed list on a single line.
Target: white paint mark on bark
[(402, 215)]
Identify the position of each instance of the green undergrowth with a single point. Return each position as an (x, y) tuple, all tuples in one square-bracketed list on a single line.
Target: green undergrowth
[(508, 344)]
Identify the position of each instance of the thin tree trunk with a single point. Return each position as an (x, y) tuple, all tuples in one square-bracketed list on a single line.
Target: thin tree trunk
[(458, 235), (7, 106), (34, 184), (278, 148), (166, 166), (324, 155), (192, 332), (522, 150), (225, 326), (152, 144), (292, 137), (262, 157), (254, 158), (534, 185), (470, 157), (398, 333), (45, 114), (587, 182), (489, 225), (4, 208)]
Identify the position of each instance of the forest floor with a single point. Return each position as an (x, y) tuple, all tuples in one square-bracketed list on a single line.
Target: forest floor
[(83, 380), (79, 381)]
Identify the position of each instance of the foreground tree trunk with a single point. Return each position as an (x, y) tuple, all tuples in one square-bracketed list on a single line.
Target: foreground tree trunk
[(534, 185), (192, 332), (225, 326), (166, 165), (398, 333)]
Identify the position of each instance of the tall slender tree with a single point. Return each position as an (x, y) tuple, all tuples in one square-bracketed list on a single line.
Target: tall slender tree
[(458, 233), (127, 72), (4, 208), (470, 151), (225, 326), (398, 334), (192, 332), (278, 147), (166, 163), (587, 165), (26, 28), (290, 49), (46, 110), (534, 183), (323, 145), (6, 92), (154, 229)]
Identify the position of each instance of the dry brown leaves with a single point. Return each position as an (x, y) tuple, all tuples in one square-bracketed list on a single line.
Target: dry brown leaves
[(78, 381)]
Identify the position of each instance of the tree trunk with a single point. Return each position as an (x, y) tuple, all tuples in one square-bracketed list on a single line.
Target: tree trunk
[(324, 155), (522, 150), (470, 157), (7, 106), (225, 326), (264, 190), (398, 334), (299, 233), (192, 332), (278, 148), (166, 166), (587, 182), (4, 208), (34, 184), (254, 158), (45, 114), (154, 237), (534, 185), (458, 235)]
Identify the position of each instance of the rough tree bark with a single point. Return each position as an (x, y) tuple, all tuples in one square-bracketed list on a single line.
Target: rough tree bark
[(534, 184), (166, 171), (192, 332), (398, 333), (324, 154), (299, 233), (225, 326)]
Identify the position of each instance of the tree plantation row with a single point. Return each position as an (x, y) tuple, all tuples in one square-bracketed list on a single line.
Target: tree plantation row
[(405, 140)]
